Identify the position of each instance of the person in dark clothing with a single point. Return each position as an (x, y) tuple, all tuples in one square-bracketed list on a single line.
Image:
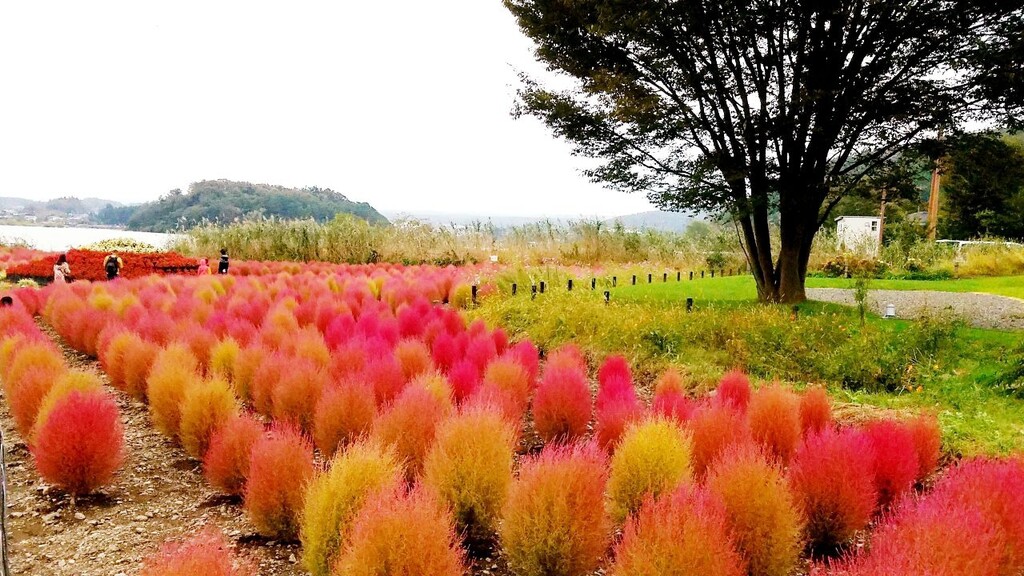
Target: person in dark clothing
[(6, 301), (113, 264), (222, 266)]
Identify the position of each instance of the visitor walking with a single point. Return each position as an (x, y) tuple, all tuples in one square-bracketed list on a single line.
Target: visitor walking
[(204, 267), (222, 266), (113, 264), (62, 270), (6, 302)]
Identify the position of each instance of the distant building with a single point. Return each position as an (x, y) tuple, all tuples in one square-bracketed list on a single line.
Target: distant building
[(859, 233)]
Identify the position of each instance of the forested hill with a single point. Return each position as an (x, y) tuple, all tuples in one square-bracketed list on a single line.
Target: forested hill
[(226, 201)]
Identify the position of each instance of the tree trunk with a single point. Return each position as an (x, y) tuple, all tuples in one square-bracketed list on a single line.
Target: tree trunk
[(781, 282)]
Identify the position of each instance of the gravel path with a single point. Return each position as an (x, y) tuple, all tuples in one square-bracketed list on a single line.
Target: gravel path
[(979, 310)]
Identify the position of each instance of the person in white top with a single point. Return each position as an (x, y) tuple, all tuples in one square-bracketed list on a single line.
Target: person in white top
[(61, 270)]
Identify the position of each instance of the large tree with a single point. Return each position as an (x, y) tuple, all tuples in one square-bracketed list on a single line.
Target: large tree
[(756, 106)]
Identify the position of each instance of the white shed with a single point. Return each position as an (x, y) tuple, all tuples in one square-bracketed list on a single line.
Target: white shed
[(858, 233)]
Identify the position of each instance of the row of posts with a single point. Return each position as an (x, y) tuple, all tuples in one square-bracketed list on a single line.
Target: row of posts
[(615, 282)]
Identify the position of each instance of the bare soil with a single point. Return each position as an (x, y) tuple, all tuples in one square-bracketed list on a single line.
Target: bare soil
[(158, 495)]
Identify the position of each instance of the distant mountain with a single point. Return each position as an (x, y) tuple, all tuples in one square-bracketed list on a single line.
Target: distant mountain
[(65, 206), (655, 220), (227, 201)]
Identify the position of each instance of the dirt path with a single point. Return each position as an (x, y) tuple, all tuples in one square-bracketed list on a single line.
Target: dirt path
[(978, 310), (159, 494)]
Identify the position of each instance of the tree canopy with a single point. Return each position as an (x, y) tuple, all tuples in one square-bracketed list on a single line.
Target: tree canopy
[(756, 106), (226, 201)]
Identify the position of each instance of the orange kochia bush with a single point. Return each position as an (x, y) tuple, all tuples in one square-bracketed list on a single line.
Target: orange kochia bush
[(88, 265)]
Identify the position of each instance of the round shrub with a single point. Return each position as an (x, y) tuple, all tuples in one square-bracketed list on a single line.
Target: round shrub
[(895, 456), (562, 404), (205, 554), (223, 357), (226, 464), (66, 383), (554, 522), (344, 413), (413, 357), (670, 399), (206, 406), (405, 535), (927, 443), (833, 480), (508, 376), (773, 415), (469, 467), (652, 458), (683, 533), (175, 370), (409, 425), (714, 428), (280, 464), (733, 390), (336, 496), (761, 510), (80, 445), (815, 410)]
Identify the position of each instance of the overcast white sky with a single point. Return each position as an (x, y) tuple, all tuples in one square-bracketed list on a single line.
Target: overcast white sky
[(404, 104)]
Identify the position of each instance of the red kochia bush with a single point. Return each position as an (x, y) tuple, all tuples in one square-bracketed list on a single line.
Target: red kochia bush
[(562, 405), (344, 413), (895, 455), (714, 428), (733, 390), (554, 521), (832, 477), (205, 554), (226, 464), (996, 489), (386, 377), (280, 464), (937, 536), (81, 443), (815, 410), (407, 535), (686, 530), (465, 378), (927, 442), (774, 418)]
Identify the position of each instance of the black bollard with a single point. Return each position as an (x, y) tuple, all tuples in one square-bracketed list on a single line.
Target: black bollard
[(514, 287), (615, 281), (607, 296), (721, 272), (701, 273), (689, 304), (634, 279), (649, 276), (712, 273), (569, 285), (679, 275), (664, 276), (691, 274), (473, 289), (542, 285), (593, 283), (533, 291)]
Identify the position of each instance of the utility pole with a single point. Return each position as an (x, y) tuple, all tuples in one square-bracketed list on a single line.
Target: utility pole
[(881, 223), (933, 196)]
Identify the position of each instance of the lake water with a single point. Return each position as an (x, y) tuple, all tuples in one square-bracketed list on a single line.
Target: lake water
[(61, 239)]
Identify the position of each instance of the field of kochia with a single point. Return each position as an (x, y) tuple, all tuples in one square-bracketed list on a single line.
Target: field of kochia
[(355, 409)]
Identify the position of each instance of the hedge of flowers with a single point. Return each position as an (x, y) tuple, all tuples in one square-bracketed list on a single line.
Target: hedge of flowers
[(88, 265), (352, 412)]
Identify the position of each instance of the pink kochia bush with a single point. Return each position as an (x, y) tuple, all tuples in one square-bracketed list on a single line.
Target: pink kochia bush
[(80, 445), (205, 554), (617, 404), (937, 535), (684, 533), (832, 478), (562, 405), (554, 522), (280, 465), (733, 390), (896, 464)]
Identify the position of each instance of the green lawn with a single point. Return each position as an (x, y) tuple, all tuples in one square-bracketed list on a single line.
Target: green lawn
[(863, 366), (1003, 285)]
